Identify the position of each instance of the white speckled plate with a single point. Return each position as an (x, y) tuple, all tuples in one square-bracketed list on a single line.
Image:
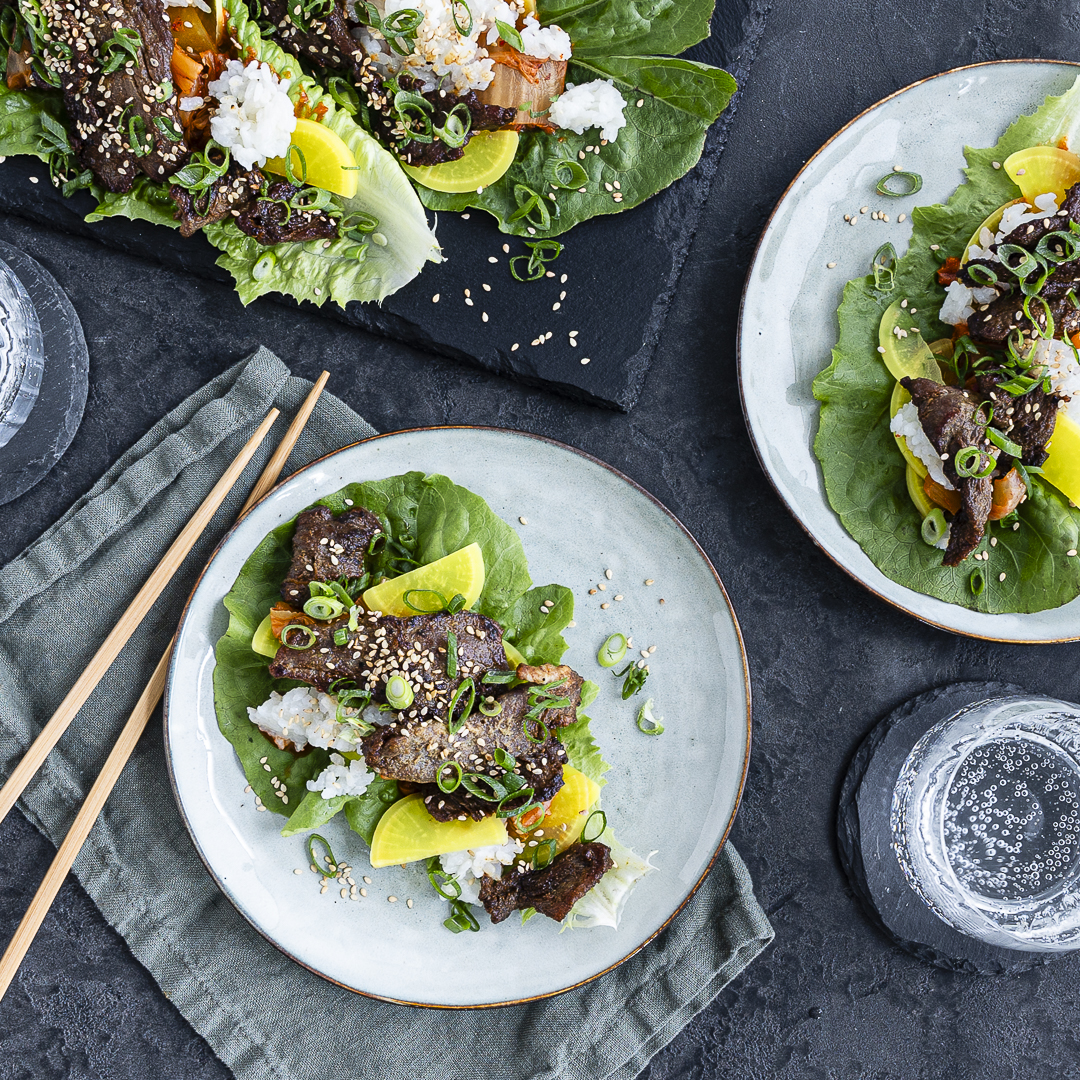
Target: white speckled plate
[(788, 324), (675, 793)]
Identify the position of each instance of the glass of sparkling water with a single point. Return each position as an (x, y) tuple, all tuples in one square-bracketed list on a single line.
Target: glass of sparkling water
[(986, 822), (22, 354)]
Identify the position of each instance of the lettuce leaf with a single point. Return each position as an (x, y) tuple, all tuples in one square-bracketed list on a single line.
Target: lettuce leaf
[(536, 634), (865, 475), (341, 270), (603, 904), (21, 130), (631, 43), (429, 516), (146, 201), (662, 140)]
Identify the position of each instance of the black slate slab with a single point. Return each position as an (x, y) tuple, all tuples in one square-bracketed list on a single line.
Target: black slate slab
[(620, 271)]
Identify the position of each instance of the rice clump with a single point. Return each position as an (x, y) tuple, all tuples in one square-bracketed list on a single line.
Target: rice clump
[(593, 104), (467, 867), (305, 717), (255, 117), (906, 424), (342, 777)]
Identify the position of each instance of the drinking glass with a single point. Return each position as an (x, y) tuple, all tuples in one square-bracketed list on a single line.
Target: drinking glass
[(986, 822), (22, 354)]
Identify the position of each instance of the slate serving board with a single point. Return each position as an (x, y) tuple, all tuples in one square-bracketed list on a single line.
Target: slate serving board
[(621, 270)]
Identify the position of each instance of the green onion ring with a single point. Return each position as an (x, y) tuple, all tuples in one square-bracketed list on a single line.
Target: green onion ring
[(451, 654), (313, 859), (548, 847), (977, 581), (493, 708), (456, 724), (424, 592), (588, 822), (323, 607), (399, 693), (913, 181), (312, 636), (612, 651), (447, 787), (933, 527)]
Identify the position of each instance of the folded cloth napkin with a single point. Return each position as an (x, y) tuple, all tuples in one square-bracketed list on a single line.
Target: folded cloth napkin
[(265, 1015)]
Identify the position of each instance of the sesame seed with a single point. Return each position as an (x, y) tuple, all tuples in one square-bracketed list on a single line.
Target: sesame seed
[(830, 265), (468, 302), (344, 894), (571, 623), (435, 298), (902, 217), (607, 574), (605, 606), (618, 596), (1071, 552), (408, 903), (515, 346), (863, 209), (853, 220), (363, 892), (484, 316), (639, 102), (367, 879), (649, 581), (897, 168), (602, 587), (523, 520), (556, 306), (1001, 576), (33, 179), (996, 164), (491, 259), (585, 360)]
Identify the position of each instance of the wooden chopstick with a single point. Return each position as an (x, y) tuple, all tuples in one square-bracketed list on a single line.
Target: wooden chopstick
[(129, 737), (127, 623)]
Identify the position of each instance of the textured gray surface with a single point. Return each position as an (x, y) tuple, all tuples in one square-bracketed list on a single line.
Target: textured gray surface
[(832, 998)]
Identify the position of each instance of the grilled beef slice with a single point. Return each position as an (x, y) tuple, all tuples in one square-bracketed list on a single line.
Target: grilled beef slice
[(326, 42), (325, 548), (564, 683), (483, 117), (554, 890), (413, 750), (383, 646), (117, 119), (270, 221), (1028, 420), (947, 416), (231, 194)]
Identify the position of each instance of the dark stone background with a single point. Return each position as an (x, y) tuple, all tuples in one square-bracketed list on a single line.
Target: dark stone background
[(831, 998)]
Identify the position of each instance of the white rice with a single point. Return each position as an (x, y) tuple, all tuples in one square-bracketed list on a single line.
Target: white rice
[(190, 104), (202, 5), (443, 57), (593, 104), (342, 777), (960, 300), (906, 424), (544, 42), (305, 717), (254, 118), (1064, 370), (467, 867)]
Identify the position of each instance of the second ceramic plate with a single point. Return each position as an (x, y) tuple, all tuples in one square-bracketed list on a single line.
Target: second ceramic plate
[(676, 793), (788, 323)]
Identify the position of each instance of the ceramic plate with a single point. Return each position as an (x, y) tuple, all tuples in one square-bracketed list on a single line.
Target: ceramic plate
[(675, 793), (788, 323)]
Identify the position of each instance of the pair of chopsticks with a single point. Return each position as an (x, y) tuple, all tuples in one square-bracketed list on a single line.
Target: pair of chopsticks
[(102, 660)]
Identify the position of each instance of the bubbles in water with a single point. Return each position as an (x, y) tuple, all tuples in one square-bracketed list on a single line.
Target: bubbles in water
[(1012, 819)]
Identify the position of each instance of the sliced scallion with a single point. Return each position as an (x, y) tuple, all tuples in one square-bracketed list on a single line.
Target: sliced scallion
[(599, 832), (912, 183), (612, 651), (449, 784), (399, 693), (934, 527), (457, 722), (647, 722), (312, 637)]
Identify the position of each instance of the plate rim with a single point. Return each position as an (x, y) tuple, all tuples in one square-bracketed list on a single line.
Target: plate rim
[(561, 446), (742, 389)]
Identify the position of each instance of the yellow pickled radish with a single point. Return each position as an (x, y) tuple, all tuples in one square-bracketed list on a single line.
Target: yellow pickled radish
[(569, 810), (902, 349), (263, 642), (1040, 169), (488, 154), (1062, 466), (407, 833), (327, 161), (461, 572), (513, 657), (991, 223), (917, 492), (900, 398)]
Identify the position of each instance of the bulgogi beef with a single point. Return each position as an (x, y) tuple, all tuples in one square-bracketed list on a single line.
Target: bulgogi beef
[(230, 194), (562, 682), (270, 219), (992, 323), (415, 748), (947, 416), (554, 890), (125, 123), (324, 41), (1027, 419), (325, 548)]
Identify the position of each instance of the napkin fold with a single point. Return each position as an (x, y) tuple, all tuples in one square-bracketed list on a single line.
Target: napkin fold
[(263, 1014)]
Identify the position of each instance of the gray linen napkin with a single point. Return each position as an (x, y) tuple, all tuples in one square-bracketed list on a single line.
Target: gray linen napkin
[(264, 1015)]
